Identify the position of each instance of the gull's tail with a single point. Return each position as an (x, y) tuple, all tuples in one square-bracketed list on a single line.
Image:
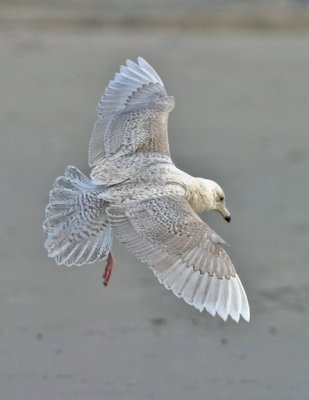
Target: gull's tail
[(76, 225)]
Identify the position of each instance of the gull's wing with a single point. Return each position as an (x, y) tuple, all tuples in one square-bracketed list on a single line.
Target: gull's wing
[(132, 114), (184, 252)]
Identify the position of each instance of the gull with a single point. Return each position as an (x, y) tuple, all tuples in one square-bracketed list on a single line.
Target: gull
[(137, 194)]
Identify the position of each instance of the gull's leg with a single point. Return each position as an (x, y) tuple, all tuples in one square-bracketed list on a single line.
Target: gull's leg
[(108, 269)]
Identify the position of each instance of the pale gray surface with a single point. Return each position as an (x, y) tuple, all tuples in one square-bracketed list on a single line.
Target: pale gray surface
[(207, 13), (241, 118)]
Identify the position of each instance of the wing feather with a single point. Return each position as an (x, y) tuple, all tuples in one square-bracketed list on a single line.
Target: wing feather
[(132, 113), (185, 254)]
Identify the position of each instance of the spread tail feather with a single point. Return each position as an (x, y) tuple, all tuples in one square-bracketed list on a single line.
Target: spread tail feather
[(76, 225)]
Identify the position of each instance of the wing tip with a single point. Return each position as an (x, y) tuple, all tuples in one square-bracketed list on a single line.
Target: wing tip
[(224, 307), (230, 306)]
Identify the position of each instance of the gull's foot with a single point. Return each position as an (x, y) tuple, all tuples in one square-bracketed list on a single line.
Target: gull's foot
[(108, 269)]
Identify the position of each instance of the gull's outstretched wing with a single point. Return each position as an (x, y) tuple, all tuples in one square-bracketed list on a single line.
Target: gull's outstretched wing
[(132, 114), (184, 252)]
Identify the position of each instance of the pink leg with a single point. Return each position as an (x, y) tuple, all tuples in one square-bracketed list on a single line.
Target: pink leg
[(108, 269)]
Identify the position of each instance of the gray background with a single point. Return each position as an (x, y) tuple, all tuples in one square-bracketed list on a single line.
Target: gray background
[(241, 118)]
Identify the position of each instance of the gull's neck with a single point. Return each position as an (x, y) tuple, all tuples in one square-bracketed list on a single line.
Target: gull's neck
[(201, 194)]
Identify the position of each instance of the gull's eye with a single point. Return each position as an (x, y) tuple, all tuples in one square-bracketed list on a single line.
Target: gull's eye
[(221, 198)]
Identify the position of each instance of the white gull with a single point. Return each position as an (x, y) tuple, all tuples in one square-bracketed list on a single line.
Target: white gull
[(136, 193)]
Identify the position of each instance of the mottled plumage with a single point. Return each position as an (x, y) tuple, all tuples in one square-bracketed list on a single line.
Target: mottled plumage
[(137, 194)]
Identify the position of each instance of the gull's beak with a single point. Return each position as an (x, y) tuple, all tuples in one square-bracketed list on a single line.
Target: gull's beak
[(225, 213)]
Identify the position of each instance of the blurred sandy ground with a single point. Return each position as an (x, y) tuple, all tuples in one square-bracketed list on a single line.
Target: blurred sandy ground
[(241, 118)]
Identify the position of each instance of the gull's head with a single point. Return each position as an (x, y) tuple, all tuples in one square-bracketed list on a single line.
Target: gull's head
[(213, 197)]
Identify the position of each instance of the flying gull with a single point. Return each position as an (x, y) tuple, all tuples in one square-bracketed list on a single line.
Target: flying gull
[(137, 194)]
